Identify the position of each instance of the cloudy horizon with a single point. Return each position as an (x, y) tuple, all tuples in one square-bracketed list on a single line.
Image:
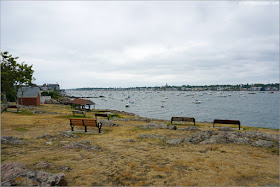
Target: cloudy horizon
[(141, 43)]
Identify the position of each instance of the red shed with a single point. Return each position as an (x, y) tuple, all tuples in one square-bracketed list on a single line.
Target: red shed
[(29, 95)]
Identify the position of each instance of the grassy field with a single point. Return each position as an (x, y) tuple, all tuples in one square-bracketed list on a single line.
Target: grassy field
[(144, 162)]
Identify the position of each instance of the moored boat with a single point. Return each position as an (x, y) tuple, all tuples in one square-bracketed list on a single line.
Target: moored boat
[(197, 101)]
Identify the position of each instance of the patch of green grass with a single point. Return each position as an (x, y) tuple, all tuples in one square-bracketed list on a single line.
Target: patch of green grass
[(20, 129), (3, 159), (22, 112), (115, 116)]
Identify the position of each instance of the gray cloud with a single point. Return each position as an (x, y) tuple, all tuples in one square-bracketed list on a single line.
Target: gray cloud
[(121, 44)]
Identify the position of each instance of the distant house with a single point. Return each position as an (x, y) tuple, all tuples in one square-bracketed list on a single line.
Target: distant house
[(53, 87), (49, 87), (83, 104), (255, 89), (29, 96)]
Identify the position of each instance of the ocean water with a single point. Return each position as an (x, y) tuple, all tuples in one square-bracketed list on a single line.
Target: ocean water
[(254, 110)]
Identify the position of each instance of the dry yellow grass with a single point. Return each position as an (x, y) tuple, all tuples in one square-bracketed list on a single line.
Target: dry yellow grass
[(141, 163)]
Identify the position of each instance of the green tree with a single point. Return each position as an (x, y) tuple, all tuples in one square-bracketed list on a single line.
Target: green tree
[(13, 76)]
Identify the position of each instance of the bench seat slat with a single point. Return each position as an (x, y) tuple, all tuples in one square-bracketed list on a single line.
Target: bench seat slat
[(187, 119), (224, 121), (84, 122)]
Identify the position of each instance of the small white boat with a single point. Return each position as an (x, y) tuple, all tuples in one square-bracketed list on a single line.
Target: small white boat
[(127, 105), (197, 102)]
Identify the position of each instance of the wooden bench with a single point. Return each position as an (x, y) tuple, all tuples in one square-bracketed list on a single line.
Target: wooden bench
[(223, 121), (183, 119), (79, 112), (85, 122), (103, 115)]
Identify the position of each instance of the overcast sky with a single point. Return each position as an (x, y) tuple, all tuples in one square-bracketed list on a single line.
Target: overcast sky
[(141, 43)]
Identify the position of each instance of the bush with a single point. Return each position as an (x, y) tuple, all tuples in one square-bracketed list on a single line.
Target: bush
[(55, 94)]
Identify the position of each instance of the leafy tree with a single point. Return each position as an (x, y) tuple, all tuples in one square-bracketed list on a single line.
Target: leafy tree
[(13, 76)]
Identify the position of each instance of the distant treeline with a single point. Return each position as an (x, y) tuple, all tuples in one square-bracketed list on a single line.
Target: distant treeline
[(187, 87)]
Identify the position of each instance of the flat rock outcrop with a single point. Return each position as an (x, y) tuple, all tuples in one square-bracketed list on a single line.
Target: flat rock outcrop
[(158, 126), (257, 139), (174, 141), (151, 136), (108, 123), (43, 165), (59, 135), (16, 174), (190, 128), (11, 140)]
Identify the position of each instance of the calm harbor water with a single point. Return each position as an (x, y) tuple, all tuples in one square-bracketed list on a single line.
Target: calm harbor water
[(254, 110)]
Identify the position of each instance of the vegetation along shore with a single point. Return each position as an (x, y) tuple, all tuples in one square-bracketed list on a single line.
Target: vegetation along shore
[(132, 151)]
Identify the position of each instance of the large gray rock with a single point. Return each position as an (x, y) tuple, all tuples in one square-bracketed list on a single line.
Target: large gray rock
[(108, 123), (151, 136), (43, 165), (11, 140), (52, 101), (190, 128), (199, 137), (226, 137), (262, 135), (59, 135), (226, 129), (262, 143), (64, 100), (212, 137), (174, 141), (64, 134), (15, 174), (158, 126)]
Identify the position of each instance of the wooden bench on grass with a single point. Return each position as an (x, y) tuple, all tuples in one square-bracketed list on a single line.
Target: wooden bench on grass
[(103, 115), (223, 121), (85, 122), (78, 112), (183, 119)]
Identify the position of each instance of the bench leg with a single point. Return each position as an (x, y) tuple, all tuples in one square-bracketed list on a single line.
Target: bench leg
[(99, 125), (85, 128), (72, 128)]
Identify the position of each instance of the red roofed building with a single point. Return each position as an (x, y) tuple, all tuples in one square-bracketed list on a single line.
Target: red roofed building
[(29, 96), (83, 104)]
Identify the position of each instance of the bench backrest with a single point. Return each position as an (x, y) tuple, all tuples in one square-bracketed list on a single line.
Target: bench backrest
[(101, 115), (74, 121), (223, 121), (90, 122), (83, 122), (183, 119)]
